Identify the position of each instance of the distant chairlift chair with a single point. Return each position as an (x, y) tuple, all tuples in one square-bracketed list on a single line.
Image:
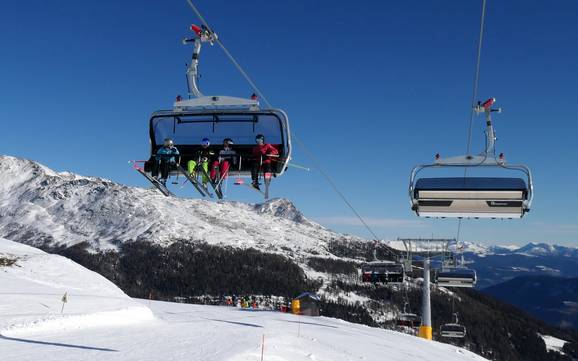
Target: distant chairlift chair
[(453, 330), (383, 272), (407, 318), (455, 276)]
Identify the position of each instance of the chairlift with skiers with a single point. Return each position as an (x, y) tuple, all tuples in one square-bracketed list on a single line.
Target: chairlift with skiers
[(199, 119), (388, 272)]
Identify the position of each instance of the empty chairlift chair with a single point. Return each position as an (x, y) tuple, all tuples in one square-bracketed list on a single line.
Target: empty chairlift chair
[(383, 272), (455, 277), (408, 319), (473, 197), (453, 330), (470, 197)]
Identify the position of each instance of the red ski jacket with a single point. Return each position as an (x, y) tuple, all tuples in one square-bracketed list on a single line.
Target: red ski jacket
[(261, 152)]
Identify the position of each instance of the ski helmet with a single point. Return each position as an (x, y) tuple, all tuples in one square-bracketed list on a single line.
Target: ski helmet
[(168, 142), (260, 138), (205, 142), (228, 141)]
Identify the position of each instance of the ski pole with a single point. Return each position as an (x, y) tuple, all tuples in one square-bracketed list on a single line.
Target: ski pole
[(279, 159), (185, 182), (298, 166)]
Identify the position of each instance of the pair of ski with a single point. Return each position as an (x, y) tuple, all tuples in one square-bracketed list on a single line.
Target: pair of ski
[(155, 182), (200, 187)]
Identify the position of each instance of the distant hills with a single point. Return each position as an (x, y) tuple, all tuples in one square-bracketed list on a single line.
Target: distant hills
[(497, 264), (552, 299)]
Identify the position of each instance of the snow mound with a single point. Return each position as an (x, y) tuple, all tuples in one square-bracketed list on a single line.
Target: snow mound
[(553, 343), (33, 287)]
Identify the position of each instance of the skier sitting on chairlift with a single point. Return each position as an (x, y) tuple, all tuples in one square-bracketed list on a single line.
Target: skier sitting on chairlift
[(262, 154), (203, 157), (165, 160), (227, 156)]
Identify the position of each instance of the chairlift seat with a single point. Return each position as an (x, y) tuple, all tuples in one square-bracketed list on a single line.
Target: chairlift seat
[(242, 166), (471, 197)]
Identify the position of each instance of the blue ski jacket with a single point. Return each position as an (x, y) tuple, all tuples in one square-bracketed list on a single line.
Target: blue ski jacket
[(164, 152)]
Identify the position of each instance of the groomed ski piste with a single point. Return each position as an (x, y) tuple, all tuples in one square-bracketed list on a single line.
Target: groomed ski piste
[(100, 322)]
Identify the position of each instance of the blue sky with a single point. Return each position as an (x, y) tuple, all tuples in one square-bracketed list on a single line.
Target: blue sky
[(372, 87)]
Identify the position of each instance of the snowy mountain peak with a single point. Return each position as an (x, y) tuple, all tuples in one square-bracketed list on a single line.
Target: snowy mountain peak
[(41, 207), (530, 249), (537, 249), (280, 207), (23, 168)]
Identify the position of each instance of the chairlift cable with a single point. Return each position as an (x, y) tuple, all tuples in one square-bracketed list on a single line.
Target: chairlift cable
[(476, 77), (458, 235), (231, 58), (474, 96), (303, 146)]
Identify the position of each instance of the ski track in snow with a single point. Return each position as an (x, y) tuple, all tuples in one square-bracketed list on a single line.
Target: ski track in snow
[(101, 323)]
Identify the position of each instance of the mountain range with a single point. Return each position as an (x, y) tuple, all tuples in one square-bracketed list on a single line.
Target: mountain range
[(497, 264)]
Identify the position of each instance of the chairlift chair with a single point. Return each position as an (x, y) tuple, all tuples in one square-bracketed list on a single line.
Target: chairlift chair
[(408, 319), (187, 125), (455, 277), (473, 197), (383, 272), (453, 330), (218, 118)]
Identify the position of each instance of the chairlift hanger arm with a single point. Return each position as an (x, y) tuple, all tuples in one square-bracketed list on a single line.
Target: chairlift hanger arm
[(203, 34), (486, 108)]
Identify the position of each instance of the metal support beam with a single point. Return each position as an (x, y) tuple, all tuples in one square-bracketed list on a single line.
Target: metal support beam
[(425, 330)]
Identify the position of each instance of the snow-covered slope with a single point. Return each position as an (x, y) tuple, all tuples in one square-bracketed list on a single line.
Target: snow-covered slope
[(214, 333), (33, 284), (553, 343), (38, 206), (101, 323)]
